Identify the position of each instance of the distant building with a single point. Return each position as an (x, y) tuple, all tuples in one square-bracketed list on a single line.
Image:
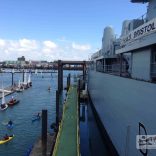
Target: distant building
[(10, 63), (33, 63), (20, 59)]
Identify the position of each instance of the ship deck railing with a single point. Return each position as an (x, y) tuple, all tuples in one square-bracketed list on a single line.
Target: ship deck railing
[(68, 140), (114, 69)]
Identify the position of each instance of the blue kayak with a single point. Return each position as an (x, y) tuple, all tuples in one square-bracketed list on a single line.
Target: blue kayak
[(35, 118), (10, 126)]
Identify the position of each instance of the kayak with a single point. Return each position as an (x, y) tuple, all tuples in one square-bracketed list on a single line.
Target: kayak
[(4, 123), (14, 102), (10, 126), (35, 118), (4, 141), (6, 106)]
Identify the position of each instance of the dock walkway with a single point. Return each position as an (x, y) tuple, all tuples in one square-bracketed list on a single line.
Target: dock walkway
[(67, 142), (10, 89)]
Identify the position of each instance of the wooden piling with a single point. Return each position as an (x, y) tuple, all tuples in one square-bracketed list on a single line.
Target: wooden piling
[(79, 97), (60, 76), (23, 75), (68, 82), (44, 129), (69, 78), (61, 79), (12, 78), (84, 70), (57, 108)]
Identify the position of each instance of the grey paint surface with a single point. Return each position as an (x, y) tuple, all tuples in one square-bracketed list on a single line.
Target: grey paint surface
[(151, 10), (123, 102), (141, 61)]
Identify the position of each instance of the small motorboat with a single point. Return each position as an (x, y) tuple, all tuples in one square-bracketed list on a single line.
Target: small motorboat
[(3, 141), (13, 102)]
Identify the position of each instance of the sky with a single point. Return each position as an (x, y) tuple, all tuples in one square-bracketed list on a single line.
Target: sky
[(60, 29)]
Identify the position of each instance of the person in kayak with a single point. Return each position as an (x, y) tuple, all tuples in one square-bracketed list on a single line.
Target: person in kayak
[(49, 88), (2, 106), (10, 122), (11, 100), (6, 137), (38, 114)]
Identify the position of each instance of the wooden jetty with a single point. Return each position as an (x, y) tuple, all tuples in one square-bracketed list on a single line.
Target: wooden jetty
[(38, 149)]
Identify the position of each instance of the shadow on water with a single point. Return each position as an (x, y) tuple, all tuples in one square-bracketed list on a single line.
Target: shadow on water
[(90, 137)]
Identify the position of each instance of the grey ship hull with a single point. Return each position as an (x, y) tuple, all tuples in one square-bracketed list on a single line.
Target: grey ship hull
[(121, 104)]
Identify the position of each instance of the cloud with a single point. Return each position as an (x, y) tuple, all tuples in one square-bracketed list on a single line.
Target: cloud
[(2, 43), (28, 44), (50, 44), (43, 50), (81, 47)]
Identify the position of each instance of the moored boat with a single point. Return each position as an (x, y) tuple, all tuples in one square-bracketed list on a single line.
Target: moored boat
[(19, 89), (3, 106)]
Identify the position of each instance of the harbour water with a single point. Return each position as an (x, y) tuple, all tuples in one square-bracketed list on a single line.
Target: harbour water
[(32, 100)]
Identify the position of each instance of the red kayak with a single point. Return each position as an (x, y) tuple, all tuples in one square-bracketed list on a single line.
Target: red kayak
[(13, 102)]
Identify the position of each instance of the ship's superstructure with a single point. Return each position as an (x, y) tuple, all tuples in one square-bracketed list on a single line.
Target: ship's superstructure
[(122, 79), (123, 55)]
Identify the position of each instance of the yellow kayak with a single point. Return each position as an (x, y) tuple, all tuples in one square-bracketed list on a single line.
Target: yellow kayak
[(4, 141)]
